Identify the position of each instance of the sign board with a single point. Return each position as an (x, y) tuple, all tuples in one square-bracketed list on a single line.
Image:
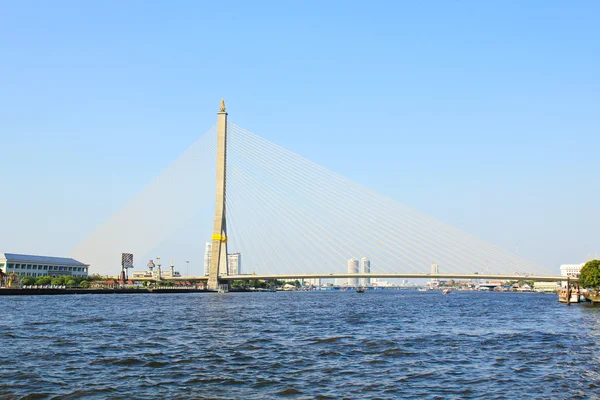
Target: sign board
[(127, 260)]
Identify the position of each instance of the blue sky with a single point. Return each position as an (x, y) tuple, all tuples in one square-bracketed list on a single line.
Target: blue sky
[(481, 114)]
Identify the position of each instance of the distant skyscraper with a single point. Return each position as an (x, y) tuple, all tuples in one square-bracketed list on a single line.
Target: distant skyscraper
[(435, 269), (234, 262), (352, 269), (313, 282), (365, 268), (207, 254)]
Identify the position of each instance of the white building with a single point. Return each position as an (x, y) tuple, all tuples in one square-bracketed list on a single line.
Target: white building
[(435, 269), (571, 270), (234, 264), (28, 265), (207, 255), (548, 287), (142, 274), (365, 268), (352, 269)]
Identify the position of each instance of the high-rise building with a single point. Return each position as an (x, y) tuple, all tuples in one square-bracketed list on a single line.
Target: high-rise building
[(207, 254), (435, 269), (365, 268), (352, 269), (234, 262), (313, 282)]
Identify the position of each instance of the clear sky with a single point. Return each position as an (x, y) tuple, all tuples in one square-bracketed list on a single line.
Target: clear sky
[(483, 114)]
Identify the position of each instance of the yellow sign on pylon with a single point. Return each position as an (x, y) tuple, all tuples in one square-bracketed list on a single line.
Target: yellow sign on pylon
[(217, 236)]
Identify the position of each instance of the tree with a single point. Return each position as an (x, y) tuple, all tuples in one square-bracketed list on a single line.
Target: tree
[(43, 280), (239, 284), (95, 277), (70, 282), (84, 284), (589, 276), (58, 281), (28, 280)]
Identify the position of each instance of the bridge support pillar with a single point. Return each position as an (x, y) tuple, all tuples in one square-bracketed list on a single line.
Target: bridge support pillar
[(218, 261)]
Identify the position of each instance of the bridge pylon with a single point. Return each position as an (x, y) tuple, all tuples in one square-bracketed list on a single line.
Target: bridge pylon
[(218, 261)]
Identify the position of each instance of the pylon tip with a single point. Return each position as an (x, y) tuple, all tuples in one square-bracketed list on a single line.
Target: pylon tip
[(222, 105)]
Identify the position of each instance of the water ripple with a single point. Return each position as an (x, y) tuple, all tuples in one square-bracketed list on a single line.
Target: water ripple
[(320, 345)]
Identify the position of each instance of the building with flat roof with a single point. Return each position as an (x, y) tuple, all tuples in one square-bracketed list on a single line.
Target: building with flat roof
[(207, 256), (365, 268), (234, 264), (30, 265), (549, 287), (352, 269), (571, 270)]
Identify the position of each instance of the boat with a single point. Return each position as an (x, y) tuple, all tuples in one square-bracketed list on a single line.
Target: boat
[(360, 290), (445, 291), (423, 289), (574, 296), (593, 296), (224, 288)]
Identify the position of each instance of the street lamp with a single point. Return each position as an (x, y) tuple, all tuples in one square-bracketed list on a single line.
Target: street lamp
[(187, 268)]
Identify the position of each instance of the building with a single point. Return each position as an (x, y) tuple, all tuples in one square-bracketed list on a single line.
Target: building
[(365, 268), (435, 269), (549, 287), (352, 269), (142, 274), (207, 253), (234, 262), (571, 270), (29, 265), (312, 282)]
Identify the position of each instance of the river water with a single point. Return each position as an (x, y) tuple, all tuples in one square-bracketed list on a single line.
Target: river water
[(382, 344)]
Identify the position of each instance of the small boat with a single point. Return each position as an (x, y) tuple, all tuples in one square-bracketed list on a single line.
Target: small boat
[(593, 296), (423, 289), (445, 291), (360, 290), (562, 296)]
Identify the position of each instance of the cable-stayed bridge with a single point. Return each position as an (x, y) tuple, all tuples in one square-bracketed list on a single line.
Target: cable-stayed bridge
[(289, 218)]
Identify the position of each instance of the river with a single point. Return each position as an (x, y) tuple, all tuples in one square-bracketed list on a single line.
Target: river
[(328, 344)]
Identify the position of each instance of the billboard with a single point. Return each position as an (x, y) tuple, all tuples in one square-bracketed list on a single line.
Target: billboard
[(127, 260)]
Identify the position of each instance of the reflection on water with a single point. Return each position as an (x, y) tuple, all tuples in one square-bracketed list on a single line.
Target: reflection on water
[(385, 344)]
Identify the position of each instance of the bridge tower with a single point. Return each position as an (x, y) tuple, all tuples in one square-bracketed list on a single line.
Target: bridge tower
[(218, 261)]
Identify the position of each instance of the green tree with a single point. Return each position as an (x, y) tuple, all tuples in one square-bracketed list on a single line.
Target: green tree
[(70, 282), (589, 276), (28, 280), (58, 281), (84, 284), (43, 280), (239, 284), (95, 277)]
